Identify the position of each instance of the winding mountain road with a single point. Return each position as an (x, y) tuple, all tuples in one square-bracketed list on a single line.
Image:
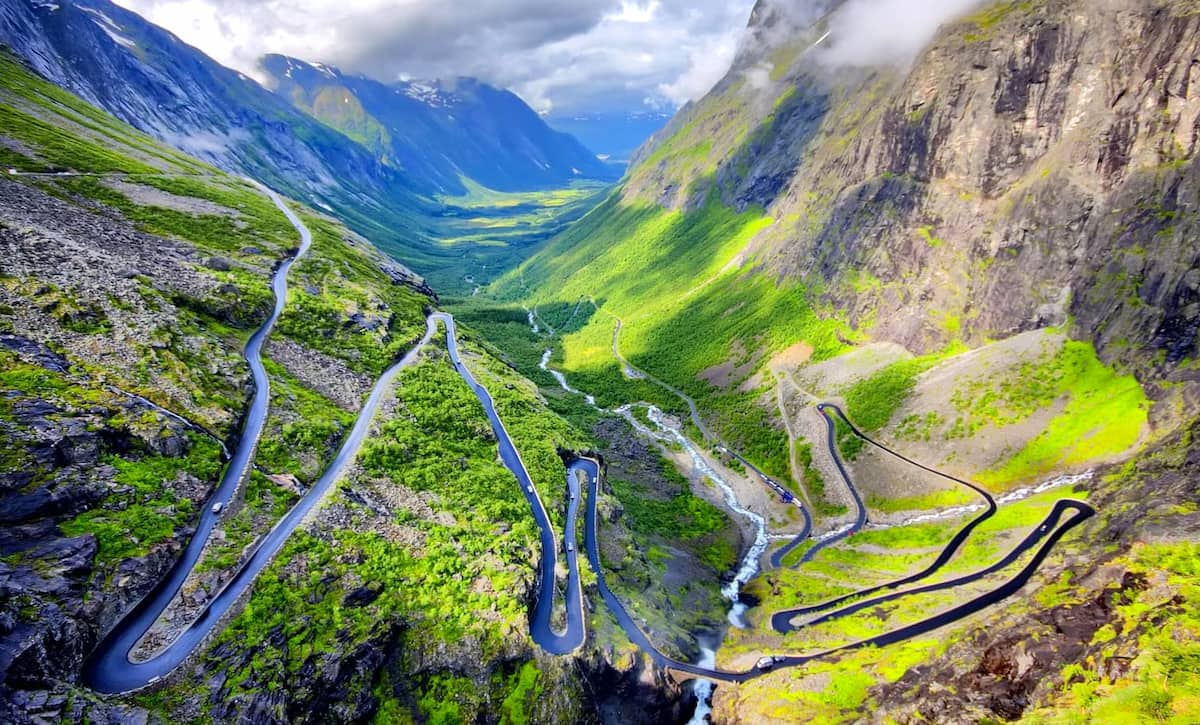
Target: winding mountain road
[(860, 515), (1047, 534), (946, 553), (542, 631), (783, 621), (109, 668)]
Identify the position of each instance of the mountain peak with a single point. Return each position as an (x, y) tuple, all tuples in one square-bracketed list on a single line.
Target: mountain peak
[(481, 132)]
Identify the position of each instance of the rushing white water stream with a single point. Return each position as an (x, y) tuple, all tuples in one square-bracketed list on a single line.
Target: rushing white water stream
[(669, 431), (703, 689), (562, 379)]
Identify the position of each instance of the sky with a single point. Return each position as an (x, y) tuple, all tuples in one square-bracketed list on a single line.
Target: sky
[(565, 56)]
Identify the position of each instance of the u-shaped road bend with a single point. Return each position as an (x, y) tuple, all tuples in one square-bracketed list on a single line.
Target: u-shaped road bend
[(860, 518), (1051, 530), (542, 630), (782, 621), (109, 668), (947, 552)]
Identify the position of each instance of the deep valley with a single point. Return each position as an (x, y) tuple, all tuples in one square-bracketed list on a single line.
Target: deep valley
[(867, 393)]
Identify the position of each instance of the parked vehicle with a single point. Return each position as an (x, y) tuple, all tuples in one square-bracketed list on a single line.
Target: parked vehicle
[(217, 507)]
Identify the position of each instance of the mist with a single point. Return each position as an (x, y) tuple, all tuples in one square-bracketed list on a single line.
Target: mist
[(887, 32)]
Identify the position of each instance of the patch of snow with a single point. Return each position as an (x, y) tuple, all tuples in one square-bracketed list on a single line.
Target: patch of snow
[(429, 94), (49, 7), (111, 29)]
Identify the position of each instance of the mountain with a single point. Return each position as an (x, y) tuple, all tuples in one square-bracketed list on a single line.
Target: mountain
[(987, 255), (152, 80), (129, 290), (615, 136), (479, 132), (377, 169)]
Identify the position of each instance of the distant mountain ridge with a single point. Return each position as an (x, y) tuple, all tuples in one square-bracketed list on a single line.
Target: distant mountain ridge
[(481, 132), (152, 80), (149, 78)]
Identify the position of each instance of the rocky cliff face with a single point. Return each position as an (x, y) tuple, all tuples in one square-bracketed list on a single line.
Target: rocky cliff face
[(1037, 161)]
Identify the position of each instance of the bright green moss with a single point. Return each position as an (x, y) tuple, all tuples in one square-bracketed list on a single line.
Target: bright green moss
[(1105, 415), (156, 512)]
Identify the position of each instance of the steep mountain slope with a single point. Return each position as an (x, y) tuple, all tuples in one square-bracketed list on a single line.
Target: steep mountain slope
[(1049, 184), (128, 291), (988, 257), (1044, 166), (155, 82), (439, 132), (385, 171)]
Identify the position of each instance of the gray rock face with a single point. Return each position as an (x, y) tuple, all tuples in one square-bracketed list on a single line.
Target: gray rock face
[(36, 352), (61, 432), (1042, 168)]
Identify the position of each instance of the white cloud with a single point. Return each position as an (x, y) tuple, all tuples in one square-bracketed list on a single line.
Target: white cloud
[(707, 64), (582, 54), (885, 32)]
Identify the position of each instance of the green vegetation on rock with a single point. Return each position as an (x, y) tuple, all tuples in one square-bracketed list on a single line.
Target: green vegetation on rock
[(1105, 415), (313, 429), (343, 304), (156, 512)]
